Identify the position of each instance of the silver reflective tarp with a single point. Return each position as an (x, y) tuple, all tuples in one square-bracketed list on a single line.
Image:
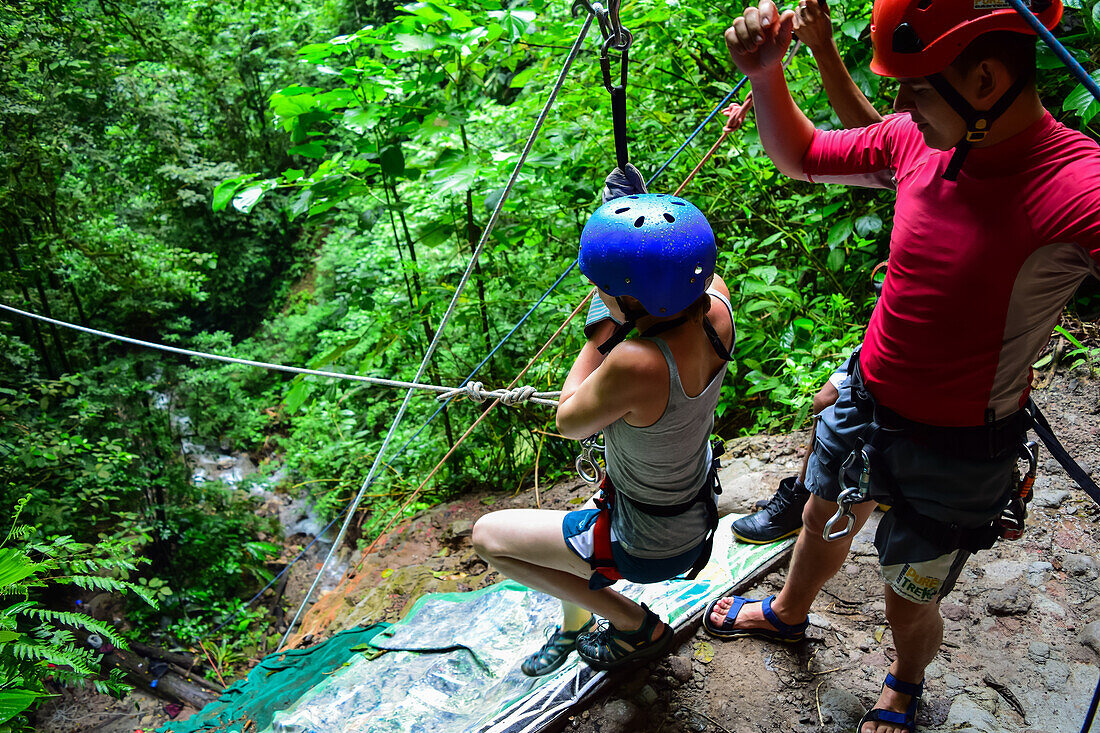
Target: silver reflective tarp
[(453, 661)]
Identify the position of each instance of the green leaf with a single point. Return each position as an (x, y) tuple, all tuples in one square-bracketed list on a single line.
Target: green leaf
[(297, 395), (411, 44), (868, 225), (1081, 101), (312, 149), (13, 702), (392, 161), (14, 566), (839, 233), (521, 78), (835, 260)]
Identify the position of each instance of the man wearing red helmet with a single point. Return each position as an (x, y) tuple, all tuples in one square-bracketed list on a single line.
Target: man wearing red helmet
[(997, 221)]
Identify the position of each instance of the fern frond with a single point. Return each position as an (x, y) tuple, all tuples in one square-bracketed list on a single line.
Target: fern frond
[(59, 657), (17, 609), (79, 620)]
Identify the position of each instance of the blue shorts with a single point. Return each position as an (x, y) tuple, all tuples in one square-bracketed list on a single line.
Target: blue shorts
[(967, 492), (577, 530)]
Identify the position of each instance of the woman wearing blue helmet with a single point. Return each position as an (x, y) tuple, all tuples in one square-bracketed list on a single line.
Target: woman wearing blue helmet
[(652, 258)]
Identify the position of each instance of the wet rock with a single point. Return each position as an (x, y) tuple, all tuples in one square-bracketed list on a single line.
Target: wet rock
[(680, 668), (1081, 566), (619, 716), (1051, 498), (1010, 601), (1038, 651), (967, 714), (840, 707), (646, 696), (955, 611), (1090, 636)]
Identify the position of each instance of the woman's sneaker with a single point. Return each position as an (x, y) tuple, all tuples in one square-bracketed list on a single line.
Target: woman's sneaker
[(781, 517)]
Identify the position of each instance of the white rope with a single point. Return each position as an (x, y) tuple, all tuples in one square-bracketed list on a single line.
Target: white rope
[(529, 393), (446, 318)]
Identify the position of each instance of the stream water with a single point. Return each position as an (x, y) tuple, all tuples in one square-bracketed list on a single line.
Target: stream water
[(235, 469)]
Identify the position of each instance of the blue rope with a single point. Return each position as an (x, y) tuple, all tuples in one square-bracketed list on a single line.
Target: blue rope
[(401, 450), (698, 129), (1059, 50)]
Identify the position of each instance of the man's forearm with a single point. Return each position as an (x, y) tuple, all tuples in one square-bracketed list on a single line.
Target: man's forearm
[(785, 131), (847, 100)]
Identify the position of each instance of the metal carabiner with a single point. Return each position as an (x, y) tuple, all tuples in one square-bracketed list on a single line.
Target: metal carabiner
[(849, 495), (842, 512), (587, 464), (605, 65)]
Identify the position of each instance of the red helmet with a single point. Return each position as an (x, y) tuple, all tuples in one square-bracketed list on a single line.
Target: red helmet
[(914, 38)]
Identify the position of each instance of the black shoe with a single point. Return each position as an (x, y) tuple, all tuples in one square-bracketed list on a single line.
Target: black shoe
[(780, 518)]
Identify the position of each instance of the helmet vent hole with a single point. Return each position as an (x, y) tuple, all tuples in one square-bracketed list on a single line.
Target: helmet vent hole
[(633, 197), (678, 203), (924, 4), (669, 218), (698, 270), (639, 222), (623, 210)]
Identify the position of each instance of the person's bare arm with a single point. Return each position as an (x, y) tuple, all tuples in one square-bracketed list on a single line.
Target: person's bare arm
[(813, 25), (757, 41), (624, 381)]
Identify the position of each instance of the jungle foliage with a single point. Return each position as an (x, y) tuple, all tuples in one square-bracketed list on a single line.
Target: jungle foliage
[(302, 183)]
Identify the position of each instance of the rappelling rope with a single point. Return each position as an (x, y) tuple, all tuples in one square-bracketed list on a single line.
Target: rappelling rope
[(477, 394), (412, 497), (446, 317)]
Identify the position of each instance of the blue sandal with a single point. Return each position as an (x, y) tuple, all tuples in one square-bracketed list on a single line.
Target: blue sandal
[(908, 718), (786, 633)]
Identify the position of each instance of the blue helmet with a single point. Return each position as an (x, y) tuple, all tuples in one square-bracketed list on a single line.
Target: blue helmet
[(654, 247)]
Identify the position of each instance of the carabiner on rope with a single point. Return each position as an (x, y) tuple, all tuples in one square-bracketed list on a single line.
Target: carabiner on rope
[(588, 463), (611, 27), (849, 496)]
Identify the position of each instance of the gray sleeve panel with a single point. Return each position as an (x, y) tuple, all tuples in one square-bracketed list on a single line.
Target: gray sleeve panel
[(1046, 281)]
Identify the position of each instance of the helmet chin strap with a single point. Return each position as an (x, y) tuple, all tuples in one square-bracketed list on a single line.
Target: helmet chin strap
[(977, 122), (630, 317)]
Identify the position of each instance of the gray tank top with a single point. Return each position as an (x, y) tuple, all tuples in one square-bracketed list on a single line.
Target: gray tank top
[(665, 463)]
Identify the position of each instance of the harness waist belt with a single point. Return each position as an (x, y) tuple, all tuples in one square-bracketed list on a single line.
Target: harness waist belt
[(995, 439)]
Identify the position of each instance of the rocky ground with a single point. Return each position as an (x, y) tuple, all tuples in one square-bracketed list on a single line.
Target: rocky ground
[(1021, 641)]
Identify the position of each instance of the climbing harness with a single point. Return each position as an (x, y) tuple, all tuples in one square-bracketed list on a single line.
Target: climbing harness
[(993, 440), (590, 461), (602, 560)]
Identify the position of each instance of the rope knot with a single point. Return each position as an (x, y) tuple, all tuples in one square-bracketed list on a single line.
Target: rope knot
[(476, 392), (517, 395)]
